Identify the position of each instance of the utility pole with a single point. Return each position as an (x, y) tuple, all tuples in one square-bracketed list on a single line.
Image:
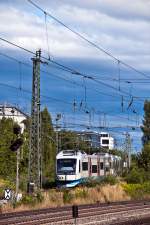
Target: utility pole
[(128, 149), (17, 172), (58, 117), (35, 164)]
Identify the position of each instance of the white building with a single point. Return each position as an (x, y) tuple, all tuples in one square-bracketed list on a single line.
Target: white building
[(14, 113), (98, 140), (106, 141)]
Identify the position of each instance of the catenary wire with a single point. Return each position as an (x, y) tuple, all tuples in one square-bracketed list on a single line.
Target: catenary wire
[(88, 41)]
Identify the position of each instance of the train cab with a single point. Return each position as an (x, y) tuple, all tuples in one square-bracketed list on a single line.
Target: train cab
[(68, 168)]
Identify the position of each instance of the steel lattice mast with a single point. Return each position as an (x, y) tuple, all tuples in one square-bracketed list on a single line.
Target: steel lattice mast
[(35, 175)]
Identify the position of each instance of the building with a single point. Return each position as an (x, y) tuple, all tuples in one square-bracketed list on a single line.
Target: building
[(106, 141), (97, 140), (14, 113)]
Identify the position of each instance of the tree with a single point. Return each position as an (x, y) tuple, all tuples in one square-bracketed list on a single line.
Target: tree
[(146, 123), (7, 157), (144, 156), (71, 140), (48, 145)]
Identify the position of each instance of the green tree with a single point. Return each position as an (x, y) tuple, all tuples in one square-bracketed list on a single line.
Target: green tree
[(146, 123), (7, 157), (71, 140), (144, 156), (68, 140), (48, 145)]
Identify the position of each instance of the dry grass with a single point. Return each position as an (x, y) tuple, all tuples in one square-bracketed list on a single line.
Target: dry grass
[(84, 195)]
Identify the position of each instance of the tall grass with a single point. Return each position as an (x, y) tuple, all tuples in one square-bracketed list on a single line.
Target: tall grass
[(79, 195)]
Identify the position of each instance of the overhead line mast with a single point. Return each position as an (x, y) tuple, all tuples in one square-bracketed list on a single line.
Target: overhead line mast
[(35, 165)]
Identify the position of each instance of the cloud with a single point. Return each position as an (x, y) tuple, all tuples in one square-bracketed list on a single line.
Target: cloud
[(127, 10), (121, 27), (124, 38)]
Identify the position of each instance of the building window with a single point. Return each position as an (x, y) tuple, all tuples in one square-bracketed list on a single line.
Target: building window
[(104, 135), (101, 165), (105, 142), (84, 166), (94, 168)]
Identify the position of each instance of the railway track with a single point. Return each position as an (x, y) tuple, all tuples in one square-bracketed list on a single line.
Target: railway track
[(88, 214)]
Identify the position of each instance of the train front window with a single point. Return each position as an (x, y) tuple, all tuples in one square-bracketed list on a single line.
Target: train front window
[(66, 166)]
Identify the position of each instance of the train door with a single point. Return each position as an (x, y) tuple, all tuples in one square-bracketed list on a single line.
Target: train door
[(85, 170), (89, 166), (101, 166), (94, 166)]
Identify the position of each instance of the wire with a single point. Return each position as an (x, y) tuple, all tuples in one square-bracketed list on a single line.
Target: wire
[(75, 83), (87, 40), (72, 71), (30, 92), (58, 77), (68, 70)]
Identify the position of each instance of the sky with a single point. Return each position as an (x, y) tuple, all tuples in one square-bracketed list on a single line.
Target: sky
[(114, 99)]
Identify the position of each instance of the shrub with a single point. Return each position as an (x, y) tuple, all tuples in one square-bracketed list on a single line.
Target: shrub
[(137, 191), (112, 180), (29, 200), (81, 193), (39, 197), (92, 182), (135, 176), (67, 196)]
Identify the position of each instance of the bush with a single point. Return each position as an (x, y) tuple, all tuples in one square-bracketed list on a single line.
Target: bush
[(110, 180), (39, 197), (136, 176), (81, 193), (29, 200), (32, 199), (137, 191), (92, 182), (67, 196)]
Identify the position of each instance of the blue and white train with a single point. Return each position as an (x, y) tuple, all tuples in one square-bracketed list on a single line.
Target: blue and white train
[(75, 167)]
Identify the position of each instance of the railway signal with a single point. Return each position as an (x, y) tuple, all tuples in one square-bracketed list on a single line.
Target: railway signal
[(17, 130), (16, 144)]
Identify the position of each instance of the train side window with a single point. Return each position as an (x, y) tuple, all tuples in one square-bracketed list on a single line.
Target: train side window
[(79, 166), (94, 168), (101, 165), (84, 166)]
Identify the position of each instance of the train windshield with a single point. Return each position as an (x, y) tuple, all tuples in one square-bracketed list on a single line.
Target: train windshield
[(66, 166)]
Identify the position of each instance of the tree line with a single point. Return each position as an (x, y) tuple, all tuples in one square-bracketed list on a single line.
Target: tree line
[(69, 140)]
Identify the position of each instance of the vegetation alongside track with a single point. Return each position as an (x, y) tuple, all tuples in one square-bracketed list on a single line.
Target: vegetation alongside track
[(78, 195), (135, 184)]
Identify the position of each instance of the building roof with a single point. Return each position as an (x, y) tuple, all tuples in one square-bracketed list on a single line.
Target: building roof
[(7, 106)]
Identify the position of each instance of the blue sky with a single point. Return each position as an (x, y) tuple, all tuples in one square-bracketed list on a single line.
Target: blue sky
[(121, 27)]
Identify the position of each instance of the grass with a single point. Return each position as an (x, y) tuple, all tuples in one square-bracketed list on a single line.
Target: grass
[(79, 195)]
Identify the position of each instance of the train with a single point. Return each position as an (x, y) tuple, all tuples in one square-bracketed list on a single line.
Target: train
[(74, 167)]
